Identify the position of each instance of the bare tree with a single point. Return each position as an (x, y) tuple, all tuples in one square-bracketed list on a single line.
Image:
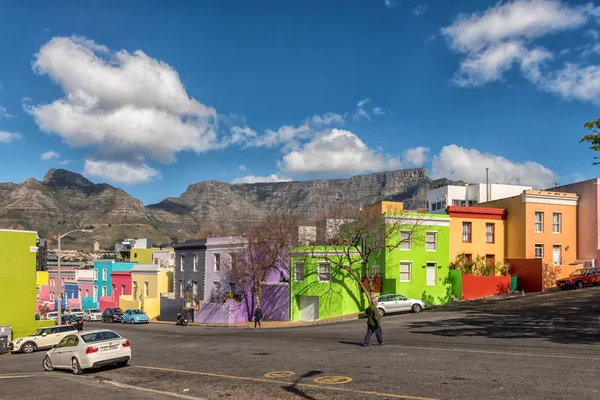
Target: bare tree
[(354, 240), (264, 251)]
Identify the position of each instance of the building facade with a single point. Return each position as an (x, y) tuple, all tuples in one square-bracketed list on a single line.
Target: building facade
[(148, 282), (190, 260), (103, 270), (440, 198)]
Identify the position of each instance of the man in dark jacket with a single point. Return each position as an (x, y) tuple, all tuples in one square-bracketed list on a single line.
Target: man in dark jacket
[(257, 316), (373, 323)]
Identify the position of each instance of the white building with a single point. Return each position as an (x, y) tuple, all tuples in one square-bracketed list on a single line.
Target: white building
[(165, 258), (438, 199)]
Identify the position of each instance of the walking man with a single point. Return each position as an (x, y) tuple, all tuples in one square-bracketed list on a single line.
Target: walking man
[(373, 323), (257, 316)]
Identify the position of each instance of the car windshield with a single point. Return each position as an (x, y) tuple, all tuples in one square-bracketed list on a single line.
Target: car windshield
[(75, 309), (94, 310), (99, 336), (137, 312), (579, 272), (117, 311)]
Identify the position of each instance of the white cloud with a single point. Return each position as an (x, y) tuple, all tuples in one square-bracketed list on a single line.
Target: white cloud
[(420, 10), (242, 167), (120, 171), (416, 156), (262, 179), (390, 3), (362, 103), (378, 111), (122, 102), (430, 38), (574, 82), (327, 119), (336, 152), (64, 162), (458, 163), (591, 34), (49, 155), (362, 113), (7, 137), (4, 113)]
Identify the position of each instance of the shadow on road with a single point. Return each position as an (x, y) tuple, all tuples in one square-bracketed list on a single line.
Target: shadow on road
[(351, 343), (293, 388)]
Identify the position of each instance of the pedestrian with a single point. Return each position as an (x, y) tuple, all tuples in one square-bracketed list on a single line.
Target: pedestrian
[(257, 316), (373, 323)]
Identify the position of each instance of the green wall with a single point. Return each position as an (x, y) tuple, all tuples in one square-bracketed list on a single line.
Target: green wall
[(17, 282), (418, 256), (456, 281), (341, 296)]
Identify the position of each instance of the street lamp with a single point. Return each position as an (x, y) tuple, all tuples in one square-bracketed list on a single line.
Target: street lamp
[(60, 291)]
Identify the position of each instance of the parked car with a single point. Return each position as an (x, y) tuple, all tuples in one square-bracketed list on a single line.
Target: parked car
[(74, 311), (92, 314), (72, 319), (81, 351), (112, 315), (42, 338), (135, 316), (580, 278), (53, 315), (389, 303)]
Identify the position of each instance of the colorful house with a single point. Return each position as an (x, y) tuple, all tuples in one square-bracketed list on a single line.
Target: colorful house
[(148, 282), (120, 286), (103, 270), (142, 256), (18, 251), (85, 280)]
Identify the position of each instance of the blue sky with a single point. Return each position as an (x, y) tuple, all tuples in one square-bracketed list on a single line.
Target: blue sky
[(154, 96)]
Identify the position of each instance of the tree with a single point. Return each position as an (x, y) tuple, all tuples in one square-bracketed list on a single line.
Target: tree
[(265, 250), (593, 138), (356, 239)]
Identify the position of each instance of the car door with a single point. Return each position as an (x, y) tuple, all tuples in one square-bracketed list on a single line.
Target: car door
[(57, 355), (404, 304), (42, 340), (127, 316), (49, 338)]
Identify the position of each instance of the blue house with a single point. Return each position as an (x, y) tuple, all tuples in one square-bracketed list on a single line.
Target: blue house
[(72, 290), (103, 279)]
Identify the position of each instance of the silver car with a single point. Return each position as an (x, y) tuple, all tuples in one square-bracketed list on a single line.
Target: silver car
[(389, 303)]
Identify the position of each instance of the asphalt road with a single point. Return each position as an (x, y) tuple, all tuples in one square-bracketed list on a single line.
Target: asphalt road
[(537, 347)]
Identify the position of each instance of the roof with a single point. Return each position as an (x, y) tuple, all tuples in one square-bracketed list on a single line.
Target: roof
[(476, 212)]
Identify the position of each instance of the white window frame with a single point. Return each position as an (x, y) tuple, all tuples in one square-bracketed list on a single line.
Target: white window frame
[(181, 288), (104, 291), (435, 241), (95, 275), (195, 257), (182, 262), (298, 269), (467, 234), (104, 275), (561, 253), (217, 260), (123, 289), (232, 287), (435, 268), (541, 222), (134, 289), (409, 241), (95, 293), (319, 265), (559, 224), (536, 246), (146, 289), (492, 234)]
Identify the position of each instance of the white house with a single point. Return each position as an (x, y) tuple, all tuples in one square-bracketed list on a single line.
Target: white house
[(438, 199)]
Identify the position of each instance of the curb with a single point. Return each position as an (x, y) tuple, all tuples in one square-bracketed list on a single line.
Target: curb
[(323, 322)]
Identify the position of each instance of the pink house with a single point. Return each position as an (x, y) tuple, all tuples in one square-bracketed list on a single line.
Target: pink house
[(67, 275), (121, 285)]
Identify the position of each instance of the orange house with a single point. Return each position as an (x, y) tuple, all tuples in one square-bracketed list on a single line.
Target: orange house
[(477, 231), (540, 224)]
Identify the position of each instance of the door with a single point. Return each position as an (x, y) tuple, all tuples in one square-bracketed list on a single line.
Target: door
[(64, 350), (403, 304), (556, 259), (43, 340), (431, 273), (309, 308)]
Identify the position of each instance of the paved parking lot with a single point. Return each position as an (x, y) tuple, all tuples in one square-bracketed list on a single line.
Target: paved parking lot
[(536, 347)]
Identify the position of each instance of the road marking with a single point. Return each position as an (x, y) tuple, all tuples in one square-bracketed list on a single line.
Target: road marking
[(502, 353), (15, 376), (126, 386), (332, 380), (279, 374), (245, 378)]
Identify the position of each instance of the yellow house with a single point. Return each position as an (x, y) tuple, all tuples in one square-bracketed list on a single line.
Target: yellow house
[(142, 256), (148, 282), (477, 231)]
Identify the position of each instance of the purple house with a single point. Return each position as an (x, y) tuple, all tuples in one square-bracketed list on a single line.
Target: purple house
[(218, 283)]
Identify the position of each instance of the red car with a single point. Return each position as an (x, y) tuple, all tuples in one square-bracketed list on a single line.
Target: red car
[(580, 278)]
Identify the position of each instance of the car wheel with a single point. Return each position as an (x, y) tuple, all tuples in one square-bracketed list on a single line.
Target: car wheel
[(28, 348), (382, 312), (75, 367), (47, 364), (131, 321), (122, 364), (580, 285), (416, 308)]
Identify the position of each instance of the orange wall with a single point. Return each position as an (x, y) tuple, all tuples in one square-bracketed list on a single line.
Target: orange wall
[(386, 207), (478, 245), (514, 227), (567, 237)]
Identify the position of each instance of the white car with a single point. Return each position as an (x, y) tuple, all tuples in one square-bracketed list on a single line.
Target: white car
[(52, 315), (74, 311), (92, 314), (42, 338), (389, 303), (81, 351)]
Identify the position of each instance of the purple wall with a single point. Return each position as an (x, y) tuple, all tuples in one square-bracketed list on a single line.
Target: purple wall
[(275, 302), (230, 312)]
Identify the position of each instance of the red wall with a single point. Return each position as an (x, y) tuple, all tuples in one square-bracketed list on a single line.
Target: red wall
[(475, 287), (530, 273), (118, 279)]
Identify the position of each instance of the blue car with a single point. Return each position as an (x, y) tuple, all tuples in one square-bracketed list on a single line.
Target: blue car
[(135, 316)]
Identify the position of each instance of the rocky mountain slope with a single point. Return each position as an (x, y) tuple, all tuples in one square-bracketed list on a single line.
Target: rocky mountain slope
[(203, 207)]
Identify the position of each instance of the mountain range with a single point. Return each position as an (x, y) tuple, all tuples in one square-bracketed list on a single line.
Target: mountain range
[(64, 200)]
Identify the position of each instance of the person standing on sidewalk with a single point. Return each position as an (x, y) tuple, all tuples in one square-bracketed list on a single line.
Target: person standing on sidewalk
[(373, 323), (257, 316)]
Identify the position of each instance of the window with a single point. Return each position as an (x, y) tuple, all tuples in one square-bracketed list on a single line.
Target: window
[(135, 255), (466, 232), (182, 263), (87, 292), (431, 241), (233, 260), (134, 289), (473, 202), (539, 221), (156, 261), (95, 294), (217, 262), (539, 251), (468, 258), (231, 287), (79, 293), (405, 271), (405, 240), (490, 233), (324, 272), (181, 288), (299, 271), (556, 222), (215, 291), (459, 203), (114, 290), (95, 275), (195, 288), (490, 259), (145, 289), (195, 262), (103, 291), (104, 274), (123, 289)]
